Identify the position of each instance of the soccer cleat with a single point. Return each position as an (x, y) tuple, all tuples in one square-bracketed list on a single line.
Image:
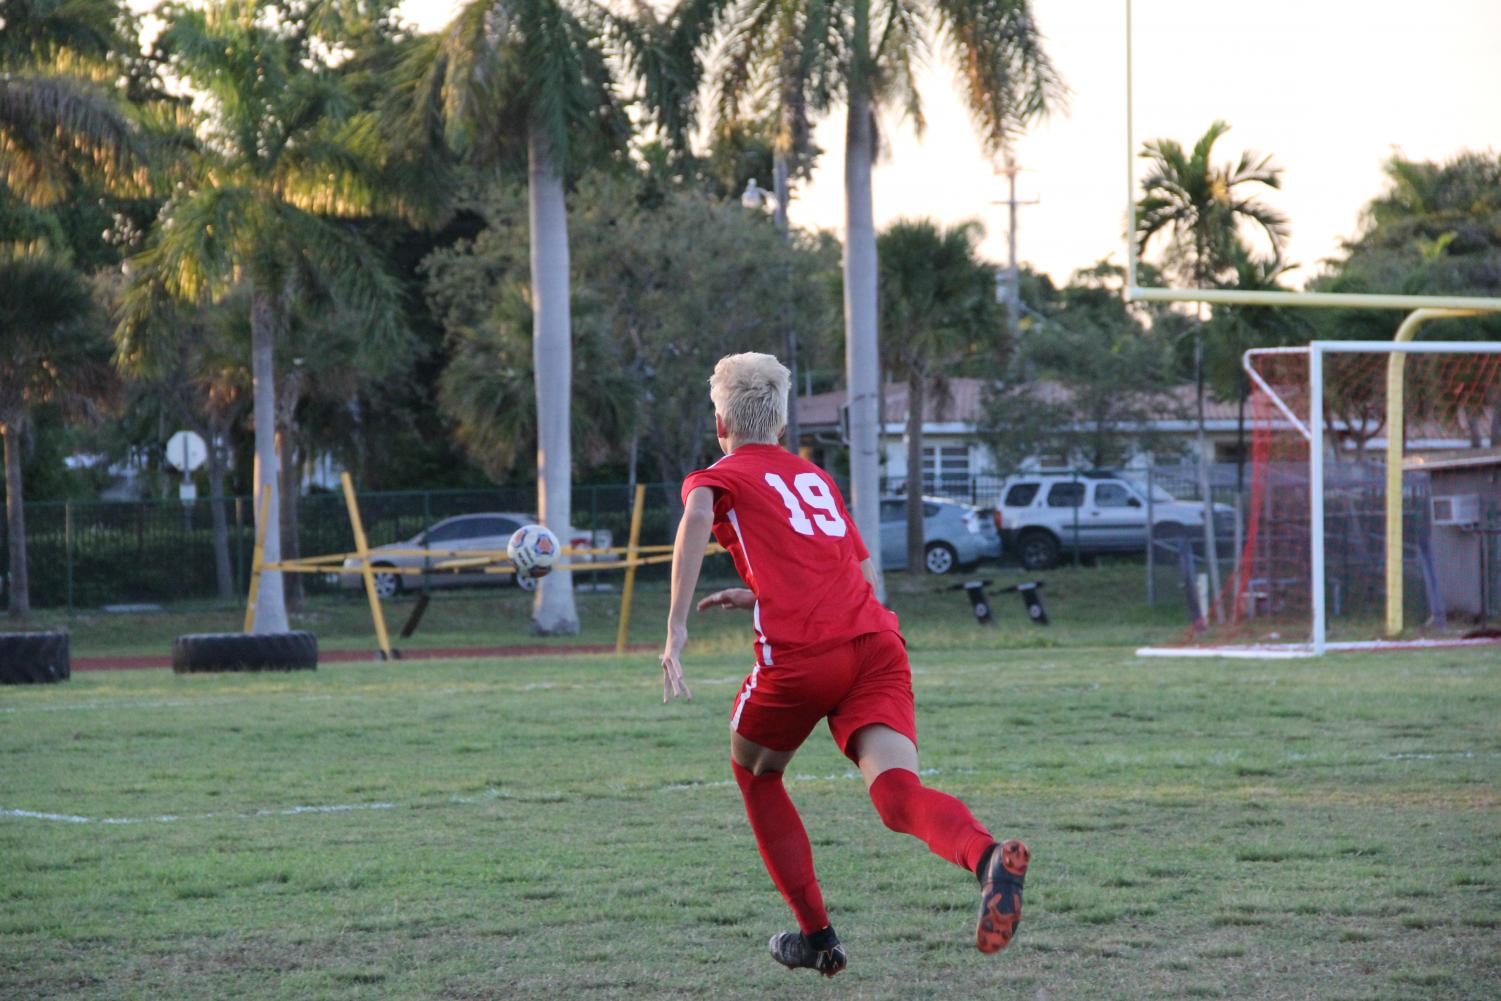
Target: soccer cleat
[(820, 951), (1001, 896)]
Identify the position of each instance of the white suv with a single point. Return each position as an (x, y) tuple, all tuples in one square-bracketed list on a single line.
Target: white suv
[(1044, 515)]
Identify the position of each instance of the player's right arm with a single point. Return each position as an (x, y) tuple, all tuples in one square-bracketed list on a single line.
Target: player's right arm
[(687, 562)]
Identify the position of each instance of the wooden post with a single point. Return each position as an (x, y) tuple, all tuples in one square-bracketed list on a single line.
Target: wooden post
[(362, 550), (255, 558), (628, 592)]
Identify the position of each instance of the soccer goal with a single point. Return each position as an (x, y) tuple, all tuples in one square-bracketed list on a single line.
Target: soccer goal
[(1374, 517)]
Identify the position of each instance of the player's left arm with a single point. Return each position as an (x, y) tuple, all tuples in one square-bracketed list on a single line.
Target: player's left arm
[(687, 563)]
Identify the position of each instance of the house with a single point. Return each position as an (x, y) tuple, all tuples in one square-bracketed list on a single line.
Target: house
[(953, 455), (1464, 528)]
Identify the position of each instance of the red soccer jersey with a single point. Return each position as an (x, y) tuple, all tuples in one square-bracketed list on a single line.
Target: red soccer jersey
[(784, 522)]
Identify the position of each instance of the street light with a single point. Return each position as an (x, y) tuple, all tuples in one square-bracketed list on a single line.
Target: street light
[(754, 199)]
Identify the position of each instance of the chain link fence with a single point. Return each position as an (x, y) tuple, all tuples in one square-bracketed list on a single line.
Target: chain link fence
[(91, 554)]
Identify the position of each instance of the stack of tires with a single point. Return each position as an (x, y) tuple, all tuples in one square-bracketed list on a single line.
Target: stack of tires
[(198, 652)]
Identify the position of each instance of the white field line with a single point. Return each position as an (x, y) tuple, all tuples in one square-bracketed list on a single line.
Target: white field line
[(170, 818), (647, 682), (488, 796)]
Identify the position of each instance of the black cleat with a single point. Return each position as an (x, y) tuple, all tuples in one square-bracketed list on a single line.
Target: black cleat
[(820, 951)]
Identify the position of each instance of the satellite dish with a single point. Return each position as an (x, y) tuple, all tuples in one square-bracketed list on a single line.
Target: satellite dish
[(186, 451)]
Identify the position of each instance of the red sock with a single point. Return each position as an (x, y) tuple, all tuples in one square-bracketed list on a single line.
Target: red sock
[(908, 806), (784, 845)]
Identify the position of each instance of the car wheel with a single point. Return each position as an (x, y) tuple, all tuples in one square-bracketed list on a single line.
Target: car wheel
[(1167, 531), (387, 585), (1037, 550), (940, 557)]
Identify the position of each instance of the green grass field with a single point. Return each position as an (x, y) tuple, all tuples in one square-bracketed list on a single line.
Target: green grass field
[(543, 827)]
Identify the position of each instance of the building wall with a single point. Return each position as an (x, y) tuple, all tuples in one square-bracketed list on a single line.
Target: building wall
[(1457, 553)]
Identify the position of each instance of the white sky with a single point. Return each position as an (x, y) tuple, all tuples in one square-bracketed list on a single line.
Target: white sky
[(1329, 87)]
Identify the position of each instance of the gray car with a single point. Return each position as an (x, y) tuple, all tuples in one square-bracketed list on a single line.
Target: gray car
[(954, 535), (450, 539)]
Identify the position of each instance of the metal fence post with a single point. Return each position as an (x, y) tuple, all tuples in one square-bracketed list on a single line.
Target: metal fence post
[(68, 550), (1078, 503), (1151, 542)]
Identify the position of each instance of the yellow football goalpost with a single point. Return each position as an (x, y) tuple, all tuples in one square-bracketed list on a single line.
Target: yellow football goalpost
[(634, 555), (1420, 309)]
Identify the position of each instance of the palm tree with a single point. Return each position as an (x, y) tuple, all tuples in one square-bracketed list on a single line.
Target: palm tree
[(1201, 210), (514, 79), (938, 310), (264, 197), (52, 350), (866, 54), (58, 118)]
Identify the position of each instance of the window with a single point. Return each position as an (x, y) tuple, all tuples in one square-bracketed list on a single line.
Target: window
[(493, 526), (1112, 495), (451, 531), (1066, 495), (1021, 494), (893, 510), (945, 467)]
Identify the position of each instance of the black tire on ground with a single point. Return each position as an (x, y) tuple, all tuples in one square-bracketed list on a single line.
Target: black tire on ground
[(244, 652), (34, 658), (940, 557), (1038, 550)]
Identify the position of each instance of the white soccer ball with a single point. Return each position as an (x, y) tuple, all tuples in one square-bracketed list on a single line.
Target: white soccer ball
[(533, 549)]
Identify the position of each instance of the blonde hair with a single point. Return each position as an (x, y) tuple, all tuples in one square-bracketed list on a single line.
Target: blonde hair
[(749, 391)]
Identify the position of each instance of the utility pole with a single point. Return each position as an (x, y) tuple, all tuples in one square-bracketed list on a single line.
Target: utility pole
[(1013, 271)]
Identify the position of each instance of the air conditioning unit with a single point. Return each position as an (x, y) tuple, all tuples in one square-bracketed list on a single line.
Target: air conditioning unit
[(1458, 509)]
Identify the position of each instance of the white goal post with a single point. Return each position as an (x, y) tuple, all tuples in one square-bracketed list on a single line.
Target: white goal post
[(1331, 400)]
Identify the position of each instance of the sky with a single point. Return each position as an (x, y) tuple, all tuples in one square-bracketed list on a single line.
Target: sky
[(1330, 88)]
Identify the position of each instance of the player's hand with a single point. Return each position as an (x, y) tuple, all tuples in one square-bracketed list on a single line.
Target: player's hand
[(673, 684), (730, 597)]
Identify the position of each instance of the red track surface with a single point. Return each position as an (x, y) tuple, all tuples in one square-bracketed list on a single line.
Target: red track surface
[(348, 656)]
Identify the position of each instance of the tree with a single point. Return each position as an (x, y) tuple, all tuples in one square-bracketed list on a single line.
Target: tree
[(703, 278), (200, 376), (865, 54), (52, 350), (1097, 375), (265, 196), (938, 310), (1436, 230), (59, 122), (514, 77), (1201, 209)]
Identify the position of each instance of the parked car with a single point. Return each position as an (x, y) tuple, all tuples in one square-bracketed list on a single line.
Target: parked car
[(1044, 515), (954, 535), (449, 538)]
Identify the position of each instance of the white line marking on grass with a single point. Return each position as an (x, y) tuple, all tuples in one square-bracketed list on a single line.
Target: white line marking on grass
[(169, 818), (488, 796)]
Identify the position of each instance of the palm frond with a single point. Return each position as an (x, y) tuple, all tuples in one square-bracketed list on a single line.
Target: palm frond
[(1009, 81), (54, 129)]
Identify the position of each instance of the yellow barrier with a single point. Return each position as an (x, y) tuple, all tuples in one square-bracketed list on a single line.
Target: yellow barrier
[(481, 560)]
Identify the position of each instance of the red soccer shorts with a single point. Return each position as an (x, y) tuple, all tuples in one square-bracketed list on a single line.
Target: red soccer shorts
[(855, 684)]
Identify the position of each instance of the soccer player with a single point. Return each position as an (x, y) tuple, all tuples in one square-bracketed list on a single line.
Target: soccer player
[(825, 648)]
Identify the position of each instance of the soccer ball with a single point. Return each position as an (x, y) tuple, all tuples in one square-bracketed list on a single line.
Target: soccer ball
[(533, 549)]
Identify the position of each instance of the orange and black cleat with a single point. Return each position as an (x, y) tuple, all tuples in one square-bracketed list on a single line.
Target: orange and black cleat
[(1001, 896)]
